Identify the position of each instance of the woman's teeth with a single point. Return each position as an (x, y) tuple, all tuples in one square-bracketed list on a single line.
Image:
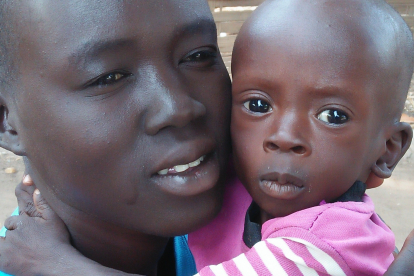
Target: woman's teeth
[(182, 168)]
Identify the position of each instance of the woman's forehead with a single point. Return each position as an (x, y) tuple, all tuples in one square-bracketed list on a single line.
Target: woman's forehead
[(78, 26), (154, 14)]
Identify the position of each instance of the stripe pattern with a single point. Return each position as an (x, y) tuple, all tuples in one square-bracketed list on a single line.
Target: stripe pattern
[(278, 256)]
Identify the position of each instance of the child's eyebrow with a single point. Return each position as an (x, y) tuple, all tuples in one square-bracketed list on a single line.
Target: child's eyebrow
[(330, 91), (92, 49)]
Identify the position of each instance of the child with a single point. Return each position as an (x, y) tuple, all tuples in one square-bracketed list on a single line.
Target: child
[(318, 90)]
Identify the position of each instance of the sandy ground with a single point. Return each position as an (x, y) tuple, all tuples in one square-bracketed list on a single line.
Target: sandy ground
[(394, 200)]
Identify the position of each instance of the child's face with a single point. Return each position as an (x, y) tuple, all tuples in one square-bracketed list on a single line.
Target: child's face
[(304, 117), (112, 92)]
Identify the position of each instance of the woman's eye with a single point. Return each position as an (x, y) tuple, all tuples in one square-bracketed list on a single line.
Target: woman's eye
[(333, 116), (201, 56), (109, 79), (259, 106)]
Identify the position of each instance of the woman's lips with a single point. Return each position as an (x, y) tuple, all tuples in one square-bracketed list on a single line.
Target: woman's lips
[(182, 157), (281, 186), (181, 168), (191, 178)]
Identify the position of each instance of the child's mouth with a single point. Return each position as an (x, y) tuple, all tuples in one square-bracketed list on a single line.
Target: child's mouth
[(282, 186), (181, 168)]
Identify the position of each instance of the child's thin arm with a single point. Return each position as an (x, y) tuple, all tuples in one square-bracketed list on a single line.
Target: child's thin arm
[(403, 264), (40, 246)]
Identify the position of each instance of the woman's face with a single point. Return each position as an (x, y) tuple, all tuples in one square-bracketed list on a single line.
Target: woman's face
[(124, 110)]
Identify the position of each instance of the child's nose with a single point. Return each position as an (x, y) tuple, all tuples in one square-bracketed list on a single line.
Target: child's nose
[(288, 136)]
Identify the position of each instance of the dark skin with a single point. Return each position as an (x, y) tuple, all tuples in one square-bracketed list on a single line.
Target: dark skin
[(107, 101), (403, 264), (47, 225), (307, 100)]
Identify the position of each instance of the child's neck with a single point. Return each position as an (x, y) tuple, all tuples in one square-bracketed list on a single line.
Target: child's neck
[(264, 216), (354, 193)]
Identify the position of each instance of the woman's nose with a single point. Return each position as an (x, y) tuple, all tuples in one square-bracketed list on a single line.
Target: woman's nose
[(172, 109)]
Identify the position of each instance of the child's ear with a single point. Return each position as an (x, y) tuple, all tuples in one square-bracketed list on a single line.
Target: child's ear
[(396, 146), (9, 138)]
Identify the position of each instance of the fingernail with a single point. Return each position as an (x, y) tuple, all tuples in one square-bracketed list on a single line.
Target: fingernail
[(27, 180), (37, 192)]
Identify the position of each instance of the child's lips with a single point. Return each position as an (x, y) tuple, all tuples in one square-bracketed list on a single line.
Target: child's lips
[(281, 186)]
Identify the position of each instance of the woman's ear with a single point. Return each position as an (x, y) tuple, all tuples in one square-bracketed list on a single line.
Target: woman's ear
[(9, 138), (398, 143)]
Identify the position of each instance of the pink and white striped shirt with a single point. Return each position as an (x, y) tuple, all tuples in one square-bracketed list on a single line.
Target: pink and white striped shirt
[(341, 238)]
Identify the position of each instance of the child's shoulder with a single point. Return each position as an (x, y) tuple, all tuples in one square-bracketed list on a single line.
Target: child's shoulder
[(347, 231), (333, 215)]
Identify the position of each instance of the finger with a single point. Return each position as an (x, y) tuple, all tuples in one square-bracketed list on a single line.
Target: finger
[(374, 181), (24, 194), (12, 223), (25, 202), (24, 190), (42, 206), (27, 180)]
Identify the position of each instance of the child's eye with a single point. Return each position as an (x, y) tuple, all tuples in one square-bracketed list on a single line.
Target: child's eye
[(259, 106), (333, 117), (201, 56), (110, 78)]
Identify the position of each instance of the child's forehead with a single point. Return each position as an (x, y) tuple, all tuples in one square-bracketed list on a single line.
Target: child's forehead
[(329, 33), (300, 21), (312, 42)]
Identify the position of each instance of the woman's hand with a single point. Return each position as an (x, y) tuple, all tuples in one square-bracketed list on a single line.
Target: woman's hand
[(38, 243), (24, 193), (33, 244)]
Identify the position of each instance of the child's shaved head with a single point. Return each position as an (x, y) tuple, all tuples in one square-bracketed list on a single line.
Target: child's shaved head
[(318, 91), (384, 38)]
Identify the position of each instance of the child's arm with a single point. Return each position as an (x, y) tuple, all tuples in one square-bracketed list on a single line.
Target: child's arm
[(403, 264)]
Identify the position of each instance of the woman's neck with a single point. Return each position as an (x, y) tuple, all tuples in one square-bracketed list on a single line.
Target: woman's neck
[(121, 249), (113, 246)]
